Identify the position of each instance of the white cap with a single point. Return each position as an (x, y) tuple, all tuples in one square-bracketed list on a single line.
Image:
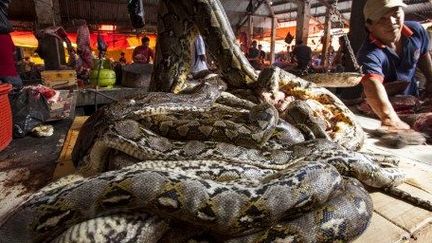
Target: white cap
[(375, 9)]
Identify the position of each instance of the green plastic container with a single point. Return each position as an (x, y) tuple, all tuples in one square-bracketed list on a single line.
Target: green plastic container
[(107, 77)]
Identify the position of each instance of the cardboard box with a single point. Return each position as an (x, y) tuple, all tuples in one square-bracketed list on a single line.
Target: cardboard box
[(59, 78)]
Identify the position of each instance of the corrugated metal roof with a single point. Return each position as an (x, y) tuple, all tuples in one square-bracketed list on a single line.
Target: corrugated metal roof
[(115, 11)]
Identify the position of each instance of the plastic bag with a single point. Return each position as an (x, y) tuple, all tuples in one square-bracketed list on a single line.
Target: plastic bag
[(5, 26), (29, 109), (136, 13)]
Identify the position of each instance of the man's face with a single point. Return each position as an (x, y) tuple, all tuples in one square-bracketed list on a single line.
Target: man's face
[(388, 28), (145, 43)]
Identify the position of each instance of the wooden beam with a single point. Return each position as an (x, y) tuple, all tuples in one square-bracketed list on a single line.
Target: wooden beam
[(247, 15), (269, 6), (303, 17), (283, 2), (315, 5), (333, 9), (261, 15)]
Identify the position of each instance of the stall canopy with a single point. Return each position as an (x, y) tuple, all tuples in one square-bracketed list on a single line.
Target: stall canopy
[(115, 42)]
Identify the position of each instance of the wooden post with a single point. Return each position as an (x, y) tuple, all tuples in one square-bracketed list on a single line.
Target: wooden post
[(272, 41), (273, 31), (48, 14), (251, 30), (357, 33), (303, 17), (326, 39), (56, 12)]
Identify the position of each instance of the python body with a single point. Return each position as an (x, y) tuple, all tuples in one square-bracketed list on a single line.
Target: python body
[(245, 176), (222, 191)]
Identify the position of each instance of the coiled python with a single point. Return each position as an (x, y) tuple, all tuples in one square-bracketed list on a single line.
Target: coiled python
[(208, 165), (213, 188)]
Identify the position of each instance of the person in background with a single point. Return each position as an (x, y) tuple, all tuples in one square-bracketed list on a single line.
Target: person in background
[(28, 64), (199, 59), (280, 61), (262, 55), (339, 60), (391, 52), (303, 55), (288, 56), (8, 72), (142, 54), (122, 59), (316, 61), (253, 55)]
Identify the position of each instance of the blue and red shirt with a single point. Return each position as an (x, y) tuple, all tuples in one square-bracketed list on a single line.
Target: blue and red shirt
[(384, 64)]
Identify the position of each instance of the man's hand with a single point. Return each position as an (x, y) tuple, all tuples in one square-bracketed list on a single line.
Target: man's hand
[(377, 98)]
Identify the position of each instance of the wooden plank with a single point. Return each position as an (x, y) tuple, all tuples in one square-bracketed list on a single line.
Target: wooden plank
[(65, 165), (78, 122), (383, 231), (423, 235), (418, 175), (402, 214)]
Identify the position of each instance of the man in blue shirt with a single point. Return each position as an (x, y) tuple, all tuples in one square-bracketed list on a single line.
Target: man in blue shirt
[(392, 52)]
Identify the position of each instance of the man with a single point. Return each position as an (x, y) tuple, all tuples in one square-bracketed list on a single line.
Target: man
[(392, 52), (122, 59), (253, 55), (8, 72), (199, 63), (142, 54), (303, 55)]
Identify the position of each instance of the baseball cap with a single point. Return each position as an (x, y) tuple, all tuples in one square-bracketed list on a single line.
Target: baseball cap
[(375, 9)]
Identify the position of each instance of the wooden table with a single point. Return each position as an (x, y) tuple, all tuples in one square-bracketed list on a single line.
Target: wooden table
[(28, 164), (394, 220)]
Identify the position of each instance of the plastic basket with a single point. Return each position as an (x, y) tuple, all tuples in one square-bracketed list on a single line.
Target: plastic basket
[(5, 116)]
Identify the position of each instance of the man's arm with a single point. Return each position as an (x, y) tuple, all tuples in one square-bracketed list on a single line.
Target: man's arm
[(134, 53), (377, 98), (425, 65)]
